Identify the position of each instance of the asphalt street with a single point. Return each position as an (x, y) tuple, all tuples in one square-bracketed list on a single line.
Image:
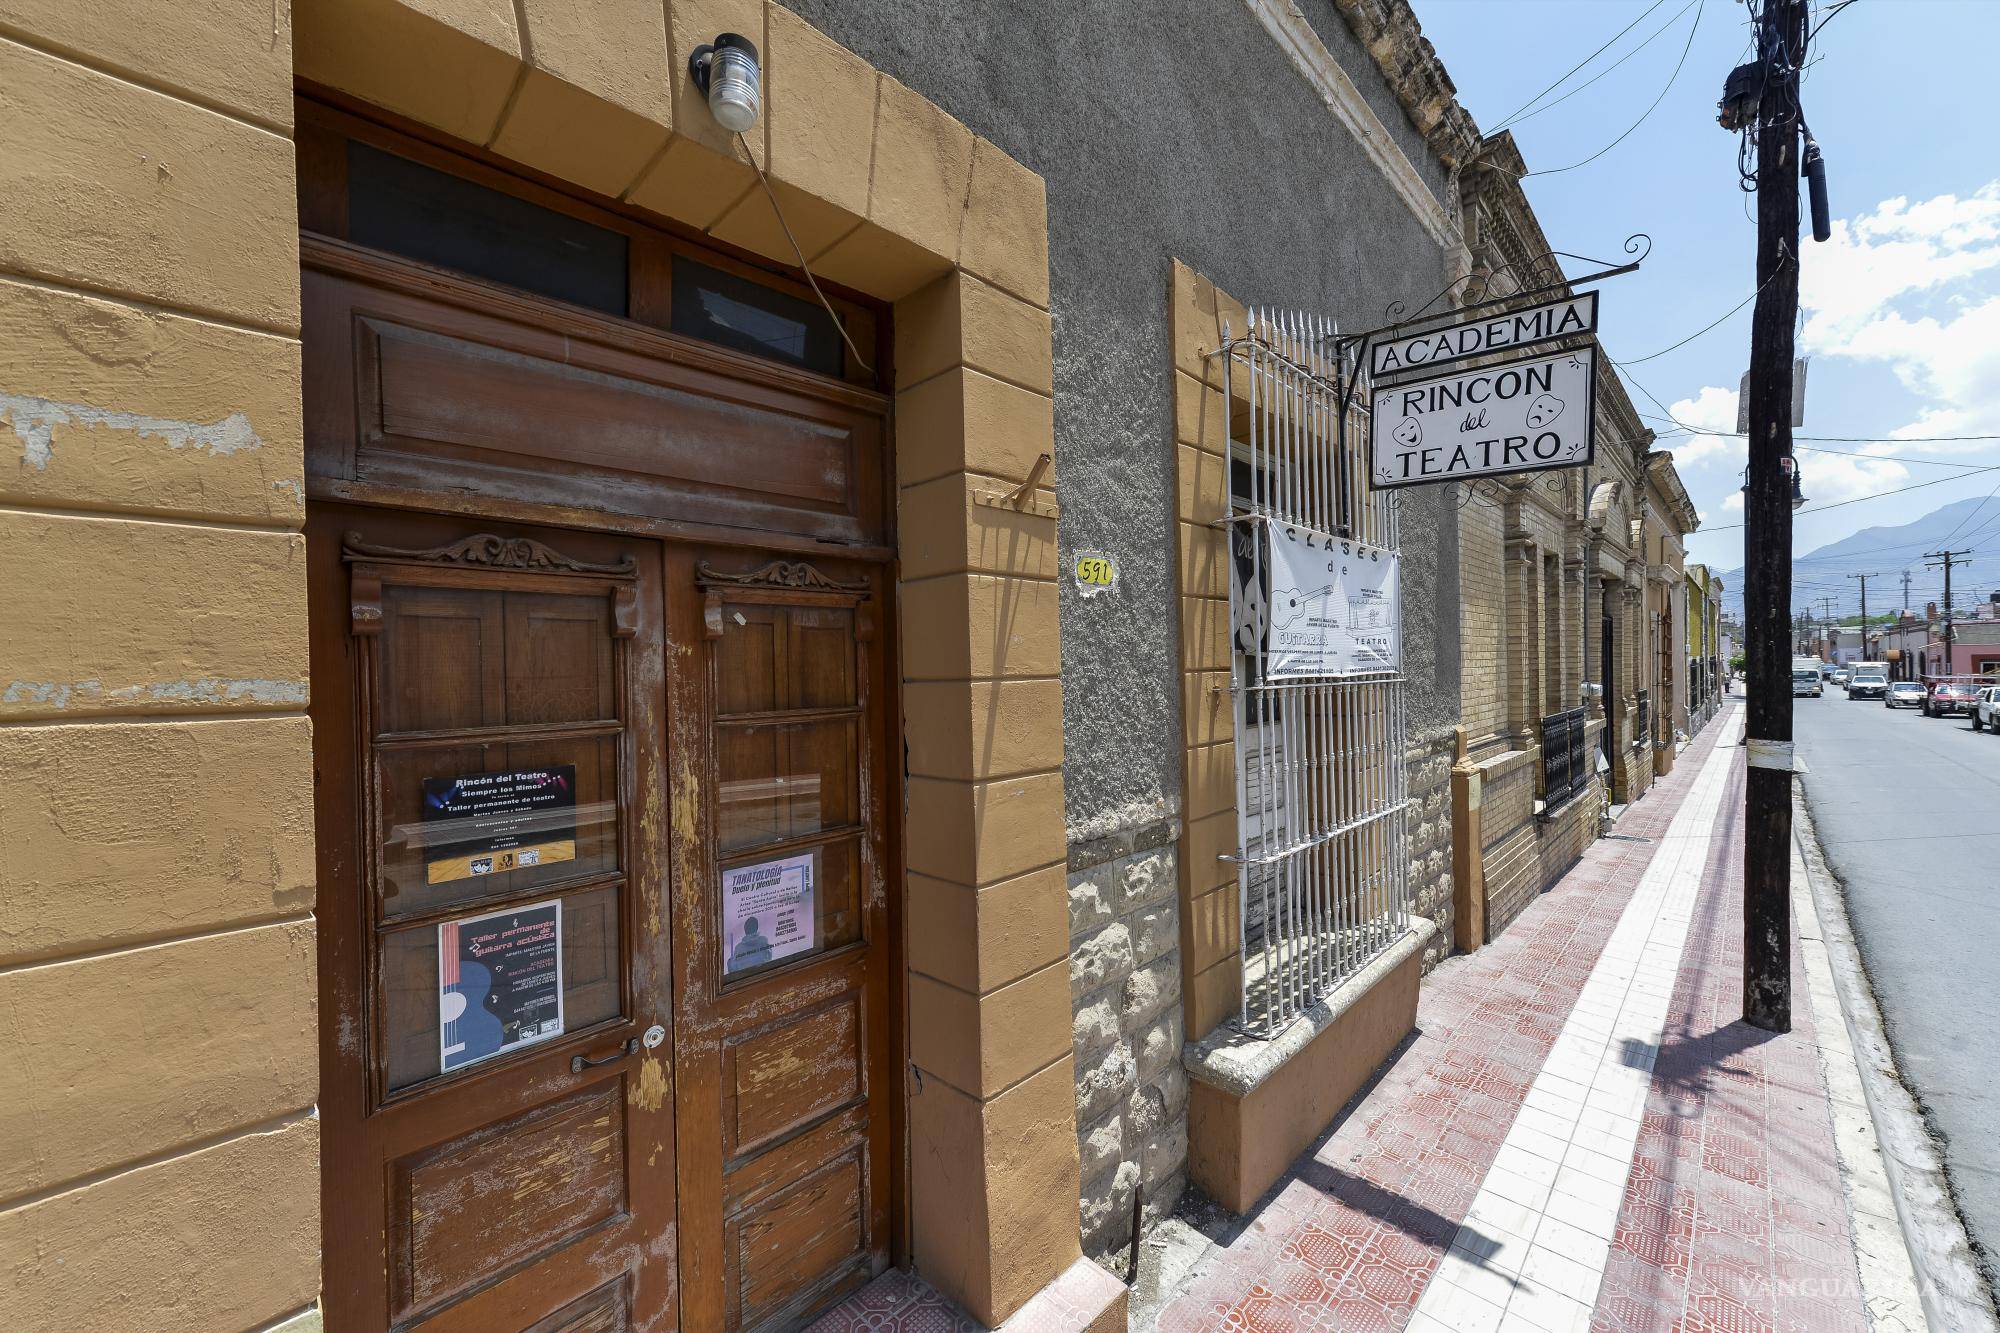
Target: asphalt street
[(1908, 811)]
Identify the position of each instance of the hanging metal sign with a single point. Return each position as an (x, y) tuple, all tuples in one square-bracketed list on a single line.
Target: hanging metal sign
[(1520, 416), (1510, 331)]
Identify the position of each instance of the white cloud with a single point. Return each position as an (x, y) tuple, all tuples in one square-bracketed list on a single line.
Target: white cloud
[(1899, 249), (1902, 287), (1732, 503), (1826, 478), (1713, 409)]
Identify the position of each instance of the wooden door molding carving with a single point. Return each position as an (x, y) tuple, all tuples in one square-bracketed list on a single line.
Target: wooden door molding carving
[(485, 550)]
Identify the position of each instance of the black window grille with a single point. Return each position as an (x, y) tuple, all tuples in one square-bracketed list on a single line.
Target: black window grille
[(1563, 770), (1643, 731)]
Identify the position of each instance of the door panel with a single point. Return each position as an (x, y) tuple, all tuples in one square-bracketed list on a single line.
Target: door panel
[(778, 737), (487, 712)]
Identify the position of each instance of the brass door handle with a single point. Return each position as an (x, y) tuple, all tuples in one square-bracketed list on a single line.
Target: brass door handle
[(577, 1064)]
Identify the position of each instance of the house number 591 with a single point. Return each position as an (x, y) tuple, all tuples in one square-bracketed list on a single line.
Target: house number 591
[(1095, 572)]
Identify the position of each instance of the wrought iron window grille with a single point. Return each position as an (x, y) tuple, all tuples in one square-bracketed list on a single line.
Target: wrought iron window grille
[(1565, 757), (1322, 795)]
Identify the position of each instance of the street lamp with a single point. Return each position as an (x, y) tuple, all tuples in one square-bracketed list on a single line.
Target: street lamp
[(1791, 467)]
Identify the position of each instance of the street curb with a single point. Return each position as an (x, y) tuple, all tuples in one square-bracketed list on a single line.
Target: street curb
[(1949, 1282)]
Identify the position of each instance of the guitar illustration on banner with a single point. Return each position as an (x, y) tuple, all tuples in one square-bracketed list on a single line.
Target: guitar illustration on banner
[(470, 1030), (1288, 604)]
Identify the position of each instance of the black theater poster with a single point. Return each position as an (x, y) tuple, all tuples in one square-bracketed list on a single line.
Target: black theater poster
[(484, 823)]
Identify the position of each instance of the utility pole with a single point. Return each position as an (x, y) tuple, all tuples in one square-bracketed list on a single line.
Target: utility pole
[(1932, 560), (1906, 590), (1767, 513), (1864, 609)]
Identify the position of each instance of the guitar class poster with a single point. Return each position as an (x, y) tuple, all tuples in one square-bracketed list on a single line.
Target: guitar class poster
[(499, 982), (1335, 606), (484, 823)]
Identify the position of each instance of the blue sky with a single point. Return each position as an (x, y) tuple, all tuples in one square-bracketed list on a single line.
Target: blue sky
[(1901, 309)]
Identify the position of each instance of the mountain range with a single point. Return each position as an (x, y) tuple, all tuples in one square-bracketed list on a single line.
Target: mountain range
[(1887, 552)]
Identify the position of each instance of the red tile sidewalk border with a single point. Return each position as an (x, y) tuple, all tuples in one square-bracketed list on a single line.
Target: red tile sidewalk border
[(1735, 1217), (1350, 1238)]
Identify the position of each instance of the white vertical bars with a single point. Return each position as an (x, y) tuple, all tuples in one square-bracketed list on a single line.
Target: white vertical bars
[(1322, 864)]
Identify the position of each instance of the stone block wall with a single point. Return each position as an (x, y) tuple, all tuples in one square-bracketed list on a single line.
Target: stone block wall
[(1429, 765), (1125, 985)]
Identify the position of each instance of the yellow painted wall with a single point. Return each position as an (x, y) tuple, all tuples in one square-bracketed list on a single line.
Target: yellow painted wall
[(158, 1016), (157, 991)]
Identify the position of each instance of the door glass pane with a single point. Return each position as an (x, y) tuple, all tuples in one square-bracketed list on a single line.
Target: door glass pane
[(774, 658), (411, 1012), (559, 659), (784, 905), (465, 657), (748, 659), (784, 780), (475, 821), (820, 657), (724, 308), (410, 209)]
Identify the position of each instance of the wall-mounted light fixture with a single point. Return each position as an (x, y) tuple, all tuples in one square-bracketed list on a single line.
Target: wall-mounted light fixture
[(727, 74)]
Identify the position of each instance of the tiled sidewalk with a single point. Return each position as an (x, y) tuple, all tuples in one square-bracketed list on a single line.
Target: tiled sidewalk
[(1718, 1206)]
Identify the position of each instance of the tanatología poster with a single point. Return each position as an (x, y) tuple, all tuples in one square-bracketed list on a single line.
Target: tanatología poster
[(499, 982), (768, 911), (483, 823), (1335, 606)]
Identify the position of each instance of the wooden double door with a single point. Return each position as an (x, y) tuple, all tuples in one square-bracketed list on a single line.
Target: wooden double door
[(604, 960)]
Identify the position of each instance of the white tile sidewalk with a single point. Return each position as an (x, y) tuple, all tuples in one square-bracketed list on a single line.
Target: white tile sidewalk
[(1531, 1253)]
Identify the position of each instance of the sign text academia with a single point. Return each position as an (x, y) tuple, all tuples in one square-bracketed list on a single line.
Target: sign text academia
[(1502, 333)]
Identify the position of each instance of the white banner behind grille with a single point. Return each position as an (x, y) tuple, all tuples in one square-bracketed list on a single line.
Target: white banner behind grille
[(1336, 606)]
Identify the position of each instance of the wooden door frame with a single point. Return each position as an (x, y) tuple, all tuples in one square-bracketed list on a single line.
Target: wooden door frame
[(329, 436), (957, 245)]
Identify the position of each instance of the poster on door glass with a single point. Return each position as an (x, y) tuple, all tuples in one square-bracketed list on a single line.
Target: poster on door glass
[(486, 823), (499, 982), (769, 912)]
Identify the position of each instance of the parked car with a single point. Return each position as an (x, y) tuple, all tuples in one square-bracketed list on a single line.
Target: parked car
[(1946, 697), (1903, 694), (1866, 684), (1805, 683), (1986, 709)]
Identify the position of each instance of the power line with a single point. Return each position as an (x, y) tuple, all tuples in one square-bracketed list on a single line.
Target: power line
[(1838, 504), (1698, 332), (1691, 429), (1518, 117), (1823, 22), (1891, 458), (1693, 28), (1508, 120)]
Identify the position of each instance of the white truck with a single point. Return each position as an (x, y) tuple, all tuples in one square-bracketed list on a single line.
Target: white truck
[(1868, 680), (1806, 679)]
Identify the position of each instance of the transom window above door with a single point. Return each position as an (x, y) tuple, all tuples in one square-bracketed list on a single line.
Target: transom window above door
[(409, 198)]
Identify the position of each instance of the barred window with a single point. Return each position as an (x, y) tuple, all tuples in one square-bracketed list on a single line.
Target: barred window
[(1322, 792)]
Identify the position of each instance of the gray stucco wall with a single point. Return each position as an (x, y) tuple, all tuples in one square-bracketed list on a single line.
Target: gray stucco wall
[(1175, 129), (1169, 129)]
